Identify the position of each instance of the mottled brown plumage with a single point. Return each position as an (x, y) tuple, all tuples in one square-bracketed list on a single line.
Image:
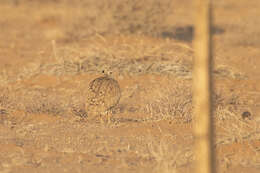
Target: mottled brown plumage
[(103, 94)]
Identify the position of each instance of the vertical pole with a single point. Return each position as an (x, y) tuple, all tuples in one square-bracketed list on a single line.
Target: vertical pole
[(203, 127)]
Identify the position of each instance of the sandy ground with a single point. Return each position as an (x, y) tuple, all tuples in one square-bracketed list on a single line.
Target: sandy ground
[(51, 50)]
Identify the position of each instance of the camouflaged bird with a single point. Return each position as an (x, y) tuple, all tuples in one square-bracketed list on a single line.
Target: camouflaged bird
[(103, 94)]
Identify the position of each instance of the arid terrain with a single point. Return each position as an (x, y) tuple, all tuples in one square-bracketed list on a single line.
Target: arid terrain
[(50, 50)]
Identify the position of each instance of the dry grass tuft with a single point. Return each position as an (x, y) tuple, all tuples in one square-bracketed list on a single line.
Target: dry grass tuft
[(168, 155), (232, 128), (172, 103)]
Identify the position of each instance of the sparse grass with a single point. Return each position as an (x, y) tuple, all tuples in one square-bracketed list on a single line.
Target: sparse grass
[(43, 101), (168, 155), (234, 128), (171, 103)]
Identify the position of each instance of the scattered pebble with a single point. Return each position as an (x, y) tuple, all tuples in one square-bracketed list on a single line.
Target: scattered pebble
[(246, 115)]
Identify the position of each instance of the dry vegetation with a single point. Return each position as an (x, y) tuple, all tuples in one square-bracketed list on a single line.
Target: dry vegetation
[(48, 60)]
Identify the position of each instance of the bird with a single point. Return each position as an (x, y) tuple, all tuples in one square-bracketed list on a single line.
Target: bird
[(103, 95)]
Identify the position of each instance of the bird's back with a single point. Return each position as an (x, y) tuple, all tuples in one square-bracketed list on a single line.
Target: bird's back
[(104, 93)]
